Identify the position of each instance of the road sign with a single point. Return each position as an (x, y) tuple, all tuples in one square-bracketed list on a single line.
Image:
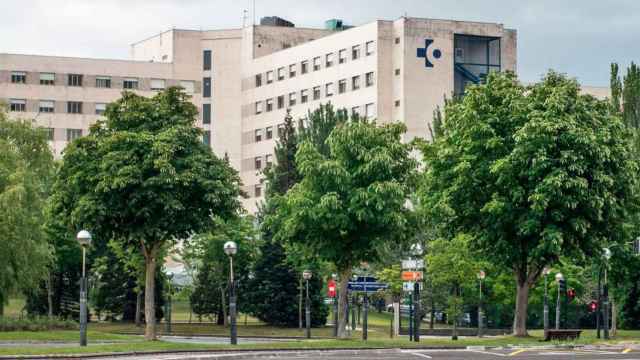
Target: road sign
[(407, 286), (367, 283), (331, 286), (412, 264), (412, 275)]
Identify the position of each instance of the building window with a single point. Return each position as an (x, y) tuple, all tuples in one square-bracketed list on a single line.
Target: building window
[(369, 79), (206, 137), (258, 107), (74, 107), (258, 80), (342, 86), (280, 74), (355, 82), (18, 105), (370, 48), (206, 113), (369, 111), (18, 77), (258, 162), (257, 192), (316, 63), (280, 130), (188, 86), (269, 132), (304, 96), (206, 87), (103, 82), (101, 108), (157, 84), (397, 40), (292, 99), (342, 56), (206, 60), (329, 60), (258, 135), (130, 83), (397, 72), (269, 104), (49, 133), (355, 52), (280, 101), (329, 89), (269, 77), (46, 106), (355, 111), (73, 134), (47, 78), (304, 67), (316, 93), (292, 70), (397, 103), (74, 80), (269, 160)]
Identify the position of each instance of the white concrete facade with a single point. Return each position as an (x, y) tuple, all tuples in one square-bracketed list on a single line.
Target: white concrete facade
[(243, 80)]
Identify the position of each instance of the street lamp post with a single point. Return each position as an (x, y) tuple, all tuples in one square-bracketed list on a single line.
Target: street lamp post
[(481, 276), (231, 248), (605, 294), (168, 306), (546, 272), (307, 305), (84, 239), (559, 278)]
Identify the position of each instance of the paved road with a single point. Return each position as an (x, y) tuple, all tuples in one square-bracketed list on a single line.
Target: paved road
[(396, 354)]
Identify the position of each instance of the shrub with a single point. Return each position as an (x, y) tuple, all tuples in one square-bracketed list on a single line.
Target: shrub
[(35, 323)]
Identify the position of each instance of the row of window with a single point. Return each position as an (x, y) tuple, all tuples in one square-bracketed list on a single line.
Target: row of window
[(267, 133), (49, 106), (71, 134), (20, 77), (314, 93), (329, 61)]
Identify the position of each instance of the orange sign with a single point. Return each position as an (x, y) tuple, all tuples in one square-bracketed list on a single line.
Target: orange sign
[(411, 275)]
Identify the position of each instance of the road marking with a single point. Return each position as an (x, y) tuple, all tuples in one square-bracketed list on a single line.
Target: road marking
[(517, 352), (486, 352), (626, 351), (416, 353)]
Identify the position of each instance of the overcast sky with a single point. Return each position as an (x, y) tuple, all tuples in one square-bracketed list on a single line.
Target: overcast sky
[(578, 37)]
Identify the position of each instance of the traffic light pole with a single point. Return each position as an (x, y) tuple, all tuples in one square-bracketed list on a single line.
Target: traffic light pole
[(598, 311), (606, 306), (546, 307), (416, 312)]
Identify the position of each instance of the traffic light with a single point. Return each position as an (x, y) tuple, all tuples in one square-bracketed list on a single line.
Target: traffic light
[(563, 285), (571, 294), (593, 306)]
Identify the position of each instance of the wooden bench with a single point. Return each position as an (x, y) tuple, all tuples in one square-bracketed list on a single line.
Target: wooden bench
[(562, 335)]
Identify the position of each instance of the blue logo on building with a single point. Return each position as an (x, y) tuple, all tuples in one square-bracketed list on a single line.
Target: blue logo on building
[(422, 53)]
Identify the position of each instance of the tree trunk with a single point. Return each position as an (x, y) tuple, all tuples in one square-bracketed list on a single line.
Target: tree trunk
[(520, 316), (138, 305), (614, 318), (345, 276), (49, 296), (223, 301), (149, 294)]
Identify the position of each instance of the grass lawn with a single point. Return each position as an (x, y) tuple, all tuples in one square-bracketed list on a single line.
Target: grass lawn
[(307, 344), (62, 335)]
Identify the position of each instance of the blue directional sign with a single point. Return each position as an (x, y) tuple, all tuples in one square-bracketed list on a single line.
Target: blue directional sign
[(368, 284)]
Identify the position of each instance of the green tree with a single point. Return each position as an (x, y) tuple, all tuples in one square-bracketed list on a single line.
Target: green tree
[(351, 200), (205, 254), (272, 289), (630, 96), (144, 178), (531, 173), (616, 88), (26, 173), (452, 265)]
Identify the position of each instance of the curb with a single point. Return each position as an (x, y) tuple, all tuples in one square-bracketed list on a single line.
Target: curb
[(197, 353)]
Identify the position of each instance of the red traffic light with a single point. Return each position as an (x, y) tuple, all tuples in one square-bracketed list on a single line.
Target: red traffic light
[(593, 306), (571, 293)]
